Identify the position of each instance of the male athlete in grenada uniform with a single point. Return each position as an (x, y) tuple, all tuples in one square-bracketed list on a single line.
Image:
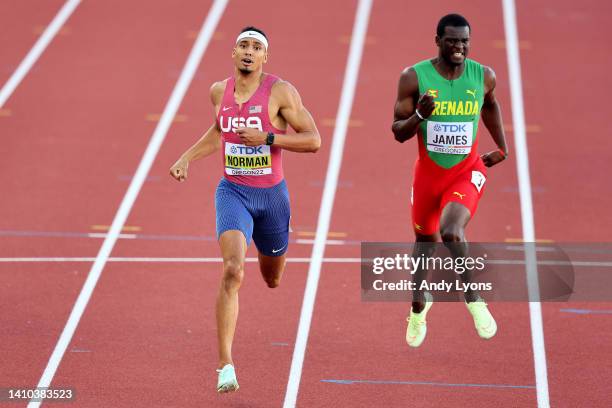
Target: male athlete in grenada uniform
[(253, 111), (441, 100)]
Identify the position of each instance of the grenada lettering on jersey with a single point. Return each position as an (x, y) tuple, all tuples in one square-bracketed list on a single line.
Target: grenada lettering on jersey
[(449, 108)]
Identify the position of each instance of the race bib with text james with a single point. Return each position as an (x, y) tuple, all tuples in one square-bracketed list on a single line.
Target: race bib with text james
[(449, 137)]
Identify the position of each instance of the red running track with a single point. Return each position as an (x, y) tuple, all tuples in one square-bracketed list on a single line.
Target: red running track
[(147, 337)]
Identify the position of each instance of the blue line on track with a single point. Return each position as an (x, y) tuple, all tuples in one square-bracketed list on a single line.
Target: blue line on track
[(586, 311), (60, 234), (156, 237)]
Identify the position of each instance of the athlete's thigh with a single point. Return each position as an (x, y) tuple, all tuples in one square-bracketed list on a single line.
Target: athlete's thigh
[(425, 201), (271, 228), (467, 188), (271, 267), (233, 246), (231, 211)]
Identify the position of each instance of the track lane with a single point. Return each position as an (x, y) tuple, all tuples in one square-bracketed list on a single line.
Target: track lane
[(377, 207), (573, 202), (165, 206), (91, 91), (22, 22)]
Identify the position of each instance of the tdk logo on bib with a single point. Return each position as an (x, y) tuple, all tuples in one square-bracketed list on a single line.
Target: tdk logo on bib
[(240, 149), (450, 137), (449, 127), (230, 124)]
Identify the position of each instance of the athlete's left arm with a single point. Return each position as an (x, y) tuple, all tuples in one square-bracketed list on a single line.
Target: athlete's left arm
[(291, 109), (306, 138), (492, 118)]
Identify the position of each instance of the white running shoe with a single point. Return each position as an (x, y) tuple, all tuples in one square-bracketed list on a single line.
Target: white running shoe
[(227, 381), (483, 320), (417, 324)]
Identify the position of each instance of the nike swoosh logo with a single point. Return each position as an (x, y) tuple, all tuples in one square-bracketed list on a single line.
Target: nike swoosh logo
[(278, 250), (226, 108)]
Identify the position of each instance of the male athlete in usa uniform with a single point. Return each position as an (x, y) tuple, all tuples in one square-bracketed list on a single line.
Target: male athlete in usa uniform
[(253, 110), (441, 100)]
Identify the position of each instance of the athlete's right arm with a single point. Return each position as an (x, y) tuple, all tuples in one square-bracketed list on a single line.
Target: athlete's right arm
[(405, 120), (209, 143)]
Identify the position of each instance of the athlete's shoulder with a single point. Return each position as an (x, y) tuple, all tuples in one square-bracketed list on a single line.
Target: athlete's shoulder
[(284, 91), (281, 86), (216, 91), (490, 79), (426, 63), (409, 81), (488, 72), (473, 62), (423, 67)]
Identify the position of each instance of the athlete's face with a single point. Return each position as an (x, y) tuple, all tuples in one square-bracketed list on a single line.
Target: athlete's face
[(249, 55), (454, 45)]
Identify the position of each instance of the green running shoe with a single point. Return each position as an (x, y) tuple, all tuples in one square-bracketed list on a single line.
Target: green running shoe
[(483, 320), (417, 325), (227, 381)]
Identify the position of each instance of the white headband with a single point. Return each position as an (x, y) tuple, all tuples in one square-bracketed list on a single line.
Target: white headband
[(255, 35)]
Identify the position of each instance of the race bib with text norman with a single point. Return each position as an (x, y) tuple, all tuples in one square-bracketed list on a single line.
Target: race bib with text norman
[(247, 160), (449, 137)]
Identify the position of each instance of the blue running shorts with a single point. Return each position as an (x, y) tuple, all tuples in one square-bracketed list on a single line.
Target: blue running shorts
[(261, 213)]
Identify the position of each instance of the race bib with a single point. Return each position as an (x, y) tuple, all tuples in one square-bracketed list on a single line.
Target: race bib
[(247, 160), (478, 180), (449, 137)]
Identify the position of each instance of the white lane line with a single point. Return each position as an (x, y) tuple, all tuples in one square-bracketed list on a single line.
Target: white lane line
[(594, 264), (522, 166), (36, 51), (195, 56), (306, 241), (327, 202), (163, 260)]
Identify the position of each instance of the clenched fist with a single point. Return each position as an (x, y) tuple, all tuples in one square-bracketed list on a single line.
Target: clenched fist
[(426, 105), (179, 169), (251, 137)]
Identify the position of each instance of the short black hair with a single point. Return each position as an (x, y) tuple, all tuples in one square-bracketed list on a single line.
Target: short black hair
[(251, 28), (451, 20)]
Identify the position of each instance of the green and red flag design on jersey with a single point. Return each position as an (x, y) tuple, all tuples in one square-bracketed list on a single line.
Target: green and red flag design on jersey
[(449, 134)]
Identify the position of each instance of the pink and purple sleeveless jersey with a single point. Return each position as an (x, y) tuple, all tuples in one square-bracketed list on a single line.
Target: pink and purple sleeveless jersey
[(256, 166)]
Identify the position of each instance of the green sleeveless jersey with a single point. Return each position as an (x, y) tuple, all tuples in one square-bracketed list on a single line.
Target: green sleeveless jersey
[(449, 134)]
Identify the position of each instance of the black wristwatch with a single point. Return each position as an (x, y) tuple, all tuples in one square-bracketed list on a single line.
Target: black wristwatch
[(270, 138)]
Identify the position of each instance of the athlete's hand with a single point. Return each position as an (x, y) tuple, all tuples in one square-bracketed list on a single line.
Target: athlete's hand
[(251, 137), (426, 105), (179, 169), (492, 158)]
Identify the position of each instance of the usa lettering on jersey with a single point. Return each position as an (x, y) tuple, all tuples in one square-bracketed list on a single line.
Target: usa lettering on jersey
[(230, 124)]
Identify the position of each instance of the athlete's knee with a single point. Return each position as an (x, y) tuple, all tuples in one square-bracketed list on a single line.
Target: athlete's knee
[(424, 248), (451, 233), (233, 273), (273, 281), (273, 275)]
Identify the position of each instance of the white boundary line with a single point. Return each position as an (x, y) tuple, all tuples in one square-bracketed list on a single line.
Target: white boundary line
[(595, 264), (522, 166), (36, 51), (327, 201), (195, 56), (164, 260)]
